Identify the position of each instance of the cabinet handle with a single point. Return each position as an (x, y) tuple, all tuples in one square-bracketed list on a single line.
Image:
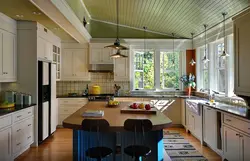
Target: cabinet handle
[(8, 142), (29, 137), (237, 134), (19, 116), (29, 112), (228, 120), (18, 144), (208, 109), (18, 130), (29, 125)]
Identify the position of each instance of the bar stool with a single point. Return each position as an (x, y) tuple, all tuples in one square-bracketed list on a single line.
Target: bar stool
[(96, 125), (138, 125)]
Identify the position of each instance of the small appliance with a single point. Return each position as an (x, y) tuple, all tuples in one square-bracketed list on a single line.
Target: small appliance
[(100, 97)]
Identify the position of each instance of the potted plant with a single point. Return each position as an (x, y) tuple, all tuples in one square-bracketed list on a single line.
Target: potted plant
[(188, 82)]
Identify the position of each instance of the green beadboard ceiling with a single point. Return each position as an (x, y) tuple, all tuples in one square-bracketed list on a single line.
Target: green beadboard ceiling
[(162, 16)]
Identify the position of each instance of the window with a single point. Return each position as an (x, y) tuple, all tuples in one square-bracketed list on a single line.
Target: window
[(143, 70), (169, 70), (204, 70), (220, 67), (149, 74)]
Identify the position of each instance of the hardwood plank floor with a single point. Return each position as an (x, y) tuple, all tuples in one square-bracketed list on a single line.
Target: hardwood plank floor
[(59, 148)]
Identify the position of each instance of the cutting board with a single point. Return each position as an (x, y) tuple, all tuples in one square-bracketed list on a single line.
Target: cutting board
[(129, 110)]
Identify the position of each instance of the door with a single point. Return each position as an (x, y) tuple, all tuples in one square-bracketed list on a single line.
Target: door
[(45, 120), (45, 73), (80, 64), (95, 56), (231, 144), (209, 126), (245, 146), (121, 68), (106, 52), (67, 64), (5, 145), (9, 59)]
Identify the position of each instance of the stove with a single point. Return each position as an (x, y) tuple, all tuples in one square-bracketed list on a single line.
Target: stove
[(100, 97)]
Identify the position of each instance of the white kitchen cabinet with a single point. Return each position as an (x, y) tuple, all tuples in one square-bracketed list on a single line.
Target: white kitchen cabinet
[(5, 145), (194, 123), (45, 73), (242, 56), (54, 115), (7, 57), (44, 49), (231, 144), (75, 65), (121, 68), (244, 146), (100, 55), (45, 120), (210, 126)]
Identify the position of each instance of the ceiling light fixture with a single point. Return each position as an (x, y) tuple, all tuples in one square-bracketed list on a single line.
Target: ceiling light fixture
[(145, 28), (117, 44), (36, 13), (118, 55), (84, 22), (19, 16), (224, 53), (205, 59), (192, 62)]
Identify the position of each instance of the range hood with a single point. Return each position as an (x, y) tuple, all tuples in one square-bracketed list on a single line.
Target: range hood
[(101, 68)]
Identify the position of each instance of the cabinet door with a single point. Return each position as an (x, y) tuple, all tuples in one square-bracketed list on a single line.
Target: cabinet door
[(191, 121), (41, 47), (48, 51), (106, 52), (5, 145), (242, 56), (95, 56), (54, 115), (245, 146), (80, 65), (231, 144), (67, 66), (45, 120), (121, 68), (9, 56), (209, 126)]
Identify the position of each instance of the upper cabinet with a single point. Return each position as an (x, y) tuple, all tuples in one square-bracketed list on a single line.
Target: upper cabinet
[(100, 55), (57, 60), (8, 50), (75, 64), (242, 56), (121, 68)]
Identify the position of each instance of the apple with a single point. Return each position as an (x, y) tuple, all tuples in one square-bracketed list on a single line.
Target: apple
[(147, 107), (131, 106), (135, 106)]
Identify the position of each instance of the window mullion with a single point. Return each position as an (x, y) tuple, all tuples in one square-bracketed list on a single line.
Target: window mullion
[(157, 69)]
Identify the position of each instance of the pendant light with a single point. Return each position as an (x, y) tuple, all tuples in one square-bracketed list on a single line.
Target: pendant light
[(173, 48), (117, 44), (224, 53), (192, 62), (145, 49), (205, 59), (118, 55)]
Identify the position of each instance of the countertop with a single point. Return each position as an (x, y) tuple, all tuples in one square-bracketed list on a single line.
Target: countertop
[(11, 110), (115, 118)]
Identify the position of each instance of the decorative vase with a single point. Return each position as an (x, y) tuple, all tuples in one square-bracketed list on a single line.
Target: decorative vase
[(188, 90)]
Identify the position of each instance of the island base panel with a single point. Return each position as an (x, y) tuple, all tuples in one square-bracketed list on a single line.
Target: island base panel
[(83, 140)]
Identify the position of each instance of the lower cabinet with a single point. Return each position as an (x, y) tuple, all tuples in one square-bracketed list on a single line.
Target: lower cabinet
[(45, 120), (236, 145), (5, 144), (194, 124)]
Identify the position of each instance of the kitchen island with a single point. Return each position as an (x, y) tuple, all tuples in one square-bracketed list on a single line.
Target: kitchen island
[(117, 138)]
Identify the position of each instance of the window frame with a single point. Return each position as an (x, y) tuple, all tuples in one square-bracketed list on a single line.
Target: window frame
[(157, 52)]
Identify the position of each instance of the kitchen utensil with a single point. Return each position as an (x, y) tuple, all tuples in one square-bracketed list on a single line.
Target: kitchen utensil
[(96, 89)]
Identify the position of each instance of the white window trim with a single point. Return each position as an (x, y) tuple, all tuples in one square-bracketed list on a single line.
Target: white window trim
[(229, 71), (157, 51)]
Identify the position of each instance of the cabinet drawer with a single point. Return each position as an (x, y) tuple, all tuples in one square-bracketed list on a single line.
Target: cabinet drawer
[(66, 110), (5, 121), (23, 114), (17, 137), (29, 131), (68, 101), (237, 123)]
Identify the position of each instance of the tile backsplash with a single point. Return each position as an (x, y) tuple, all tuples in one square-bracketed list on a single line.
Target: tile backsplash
[(104, 80)]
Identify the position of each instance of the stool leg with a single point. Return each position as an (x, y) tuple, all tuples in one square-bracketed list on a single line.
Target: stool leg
[(137, 158)]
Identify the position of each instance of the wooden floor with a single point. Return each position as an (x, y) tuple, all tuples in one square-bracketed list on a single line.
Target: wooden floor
[(59, 148)]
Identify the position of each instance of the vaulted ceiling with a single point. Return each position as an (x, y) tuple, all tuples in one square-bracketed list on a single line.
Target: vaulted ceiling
[(161, 16)]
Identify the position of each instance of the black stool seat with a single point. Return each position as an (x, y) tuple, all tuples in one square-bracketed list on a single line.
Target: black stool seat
[(137, 151), (98, 152)]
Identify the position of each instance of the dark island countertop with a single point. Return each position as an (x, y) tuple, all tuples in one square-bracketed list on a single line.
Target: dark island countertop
[(14, 109)]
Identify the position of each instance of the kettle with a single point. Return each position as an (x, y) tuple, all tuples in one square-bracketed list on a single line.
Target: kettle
[(96, 90)]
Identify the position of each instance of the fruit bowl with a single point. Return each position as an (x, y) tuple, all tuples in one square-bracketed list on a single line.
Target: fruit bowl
[(112, 103)]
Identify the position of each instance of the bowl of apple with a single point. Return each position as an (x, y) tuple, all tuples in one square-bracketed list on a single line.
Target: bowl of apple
[(141, 106)]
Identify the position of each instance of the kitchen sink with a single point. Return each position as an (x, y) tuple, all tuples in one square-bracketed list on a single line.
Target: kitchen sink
[(193, 105)]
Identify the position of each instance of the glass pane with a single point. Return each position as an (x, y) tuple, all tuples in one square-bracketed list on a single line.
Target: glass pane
[(221, 77), (144, 70), (169, 70), (220, 60), (205, 79)]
